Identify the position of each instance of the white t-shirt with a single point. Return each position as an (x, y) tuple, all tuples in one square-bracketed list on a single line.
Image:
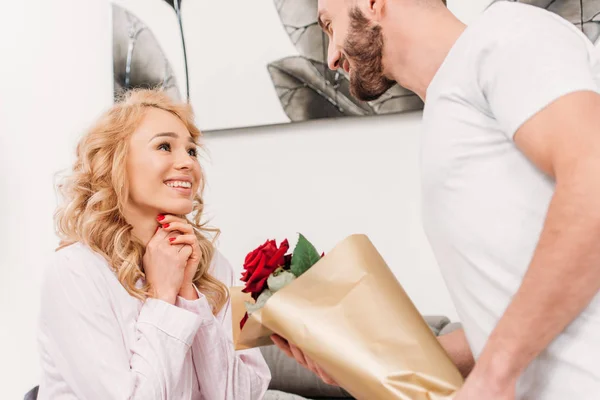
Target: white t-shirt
[(484, 202)]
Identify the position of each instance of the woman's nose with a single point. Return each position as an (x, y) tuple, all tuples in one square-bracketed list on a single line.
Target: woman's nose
[(184, 160)]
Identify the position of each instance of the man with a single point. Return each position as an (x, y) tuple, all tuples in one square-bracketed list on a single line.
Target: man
[(510, 178)]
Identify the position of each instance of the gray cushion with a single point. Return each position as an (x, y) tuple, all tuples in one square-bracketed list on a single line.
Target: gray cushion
[(436, 323), (32, 394), (451, 328), (277, 395), (289, 376)]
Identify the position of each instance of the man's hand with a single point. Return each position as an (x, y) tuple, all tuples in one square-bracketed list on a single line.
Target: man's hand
[(478, 387), (294, 352), (480, 384)]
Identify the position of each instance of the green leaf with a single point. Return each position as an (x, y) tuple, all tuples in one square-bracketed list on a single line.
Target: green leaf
[(279, 281), (305, 256)]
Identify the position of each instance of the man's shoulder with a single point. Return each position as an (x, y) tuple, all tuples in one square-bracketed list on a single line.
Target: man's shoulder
[(504, 19), (503, 24), (514, 11), (507, 33)]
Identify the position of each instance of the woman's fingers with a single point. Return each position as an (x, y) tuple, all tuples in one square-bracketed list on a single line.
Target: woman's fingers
[(189, 251), (182, 227), (159, 236), (185, 252), (170, 218), (184, 239)]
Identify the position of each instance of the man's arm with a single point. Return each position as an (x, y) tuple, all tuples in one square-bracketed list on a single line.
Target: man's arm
[(563, 140)]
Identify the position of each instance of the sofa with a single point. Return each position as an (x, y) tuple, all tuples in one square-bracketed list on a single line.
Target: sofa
[(291, 381)]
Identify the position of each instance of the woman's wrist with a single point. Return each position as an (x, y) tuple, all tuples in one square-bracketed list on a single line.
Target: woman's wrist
[(170, 298), (188, 292)]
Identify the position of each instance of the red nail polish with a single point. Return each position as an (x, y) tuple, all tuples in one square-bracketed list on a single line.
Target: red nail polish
[(157, 228), (160, 217), (166, 225), (171, 239)]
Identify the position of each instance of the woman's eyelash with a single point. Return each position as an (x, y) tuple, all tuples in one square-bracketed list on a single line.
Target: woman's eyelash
[(164, 145)]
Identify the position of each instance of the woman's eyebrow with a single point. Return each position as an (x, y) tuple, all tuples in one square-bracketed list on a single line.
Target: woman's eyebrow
[(172, 135)]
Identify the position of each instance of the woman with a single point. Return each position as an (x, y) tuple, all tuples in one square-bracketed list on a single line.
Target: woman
[(135, 302)]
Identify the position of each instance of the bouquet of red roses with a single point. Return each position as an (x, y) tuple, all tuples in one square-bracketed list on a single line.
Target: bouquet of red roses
[(269, 268), (348, 313)]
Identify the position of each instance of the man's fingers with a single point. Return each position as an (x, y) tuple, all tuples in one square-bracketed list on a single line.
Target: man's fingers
[(290, 350), (314, 367), (298, 355), (293, 351), (326, 378), (311, 365), (282, 344)]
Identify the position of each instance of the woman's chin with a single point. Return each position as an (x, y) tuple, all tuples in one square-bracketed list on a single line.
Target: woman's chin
[(178, 207)]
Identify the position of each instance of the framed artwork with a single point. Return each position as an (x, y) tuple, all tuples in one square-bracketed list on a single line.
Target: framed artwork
[(249, 63), (585, 14), (239, 63)]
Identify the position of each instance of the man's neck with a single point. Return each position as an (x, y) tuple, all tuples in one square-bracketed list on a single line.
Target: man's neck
[(414, 64)]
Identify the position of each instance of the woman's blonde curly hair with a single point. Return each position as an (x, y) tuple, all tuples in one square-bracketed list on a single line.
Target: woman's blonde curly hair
[(97, 189)]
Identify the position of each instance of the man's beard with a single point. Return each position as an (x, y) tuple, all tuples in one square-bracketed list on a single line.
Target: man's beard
[(364, 46)]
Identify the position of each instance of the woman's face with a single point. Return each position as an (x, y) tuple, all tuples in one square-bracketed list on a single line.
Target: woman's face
[(162, 168)]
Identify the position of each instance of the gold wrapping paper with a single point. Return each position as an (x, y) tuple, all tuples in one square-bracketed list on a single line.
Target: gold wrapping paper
[(352, 317), (255, 334)]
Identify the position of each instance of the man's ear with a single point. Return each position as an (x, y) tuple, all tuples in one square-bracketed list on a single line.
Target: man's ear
[(376, 9)]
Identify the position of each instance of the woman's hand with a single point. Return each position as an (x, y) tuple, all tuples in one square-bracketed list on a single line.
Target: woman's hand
[(165, 266), (182, 233)]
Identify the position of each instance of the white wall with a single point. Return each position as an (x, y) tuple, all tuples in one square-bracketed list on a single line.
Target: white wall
[(358, 175)]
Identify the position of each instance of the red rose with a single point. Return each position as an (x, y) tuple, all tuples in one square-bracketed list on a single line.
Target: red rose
[(243, 321), (260, 263)]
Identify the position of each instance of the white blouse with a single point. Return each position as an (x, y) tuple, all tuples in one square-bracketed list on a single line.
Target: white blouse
[(98, 342)]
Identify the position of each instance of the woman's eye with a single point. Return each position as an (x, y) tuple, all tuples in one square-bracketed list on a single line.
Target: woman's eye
[(193, 152), (164, 146)]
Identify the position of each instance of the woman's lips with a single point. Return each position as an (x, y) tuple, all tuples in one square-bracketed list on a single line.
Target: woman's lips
[(180, 189)]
